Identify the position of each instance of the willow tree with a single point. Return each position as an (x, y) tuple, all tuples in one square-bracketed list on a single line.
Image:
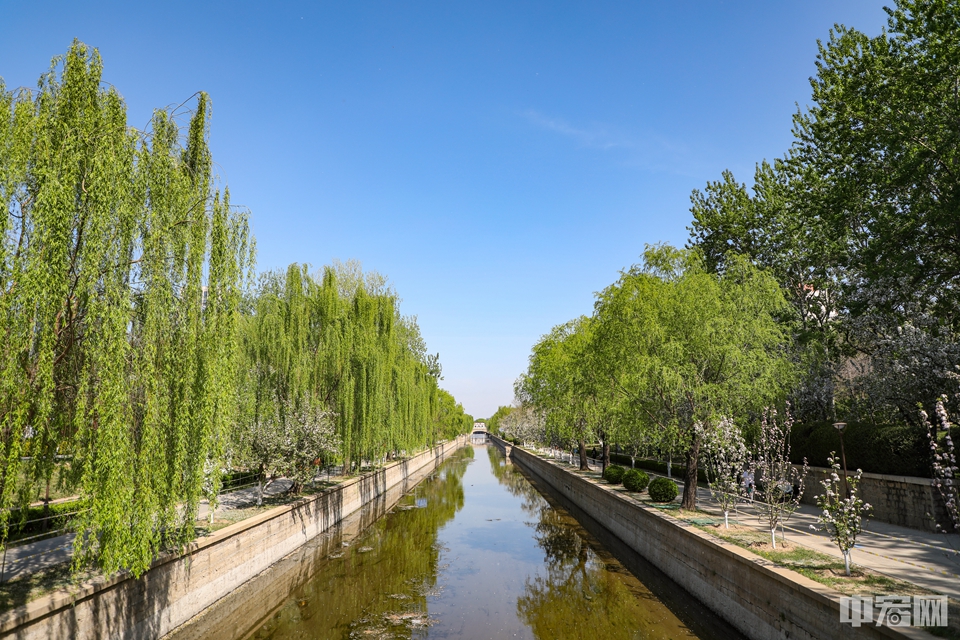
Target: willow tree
[(285, 424), (375, 370), (688, 346), (336, 343), (120, 275)]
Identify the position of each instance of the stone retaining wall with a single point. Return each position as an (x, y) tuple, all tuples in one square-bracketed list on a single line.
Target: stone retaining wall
[(177, 587), (902, 500), (761, 600)]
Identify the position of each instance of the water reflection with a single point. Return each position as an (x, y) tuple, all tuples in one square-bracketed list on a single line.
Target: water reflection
[(579, 592), (377, 587), (475, 551)]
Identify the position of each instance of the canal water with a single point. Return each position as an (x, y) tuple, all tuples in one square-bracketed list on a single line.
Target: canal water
[(474, 551)]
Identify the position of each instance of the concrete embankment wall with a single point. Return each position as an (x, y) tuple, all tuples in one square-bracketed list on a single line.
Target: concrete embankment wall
[(180, 586), (758, 598)]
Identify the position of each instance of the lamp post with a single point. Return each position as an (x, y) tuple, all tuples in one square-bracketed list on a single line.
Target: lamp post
[(840, 426)]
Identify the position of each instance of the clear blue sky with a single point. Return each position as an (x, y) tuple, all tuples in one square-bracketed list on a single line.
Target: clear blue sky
[(499, 161)]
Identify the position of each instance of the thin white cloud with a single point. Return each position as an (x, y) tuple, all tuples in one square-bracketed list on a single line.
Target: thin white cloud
[(595, 136), (652, 151)]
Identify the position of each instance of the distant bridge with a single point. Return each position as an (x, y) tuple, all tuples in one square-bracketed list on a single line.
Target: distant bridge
[(479, 433)]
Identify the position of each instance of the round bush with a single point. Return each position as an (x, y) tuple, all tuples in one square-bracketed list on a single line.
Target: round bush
[(662, 490), (614, 474), (635, 480)]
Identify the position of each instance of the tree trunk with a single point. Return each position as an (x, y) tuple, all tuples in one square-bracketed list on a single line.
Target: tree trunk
[(260, 479), (582, 446), (690, 476), (46, 509), (606, 456)]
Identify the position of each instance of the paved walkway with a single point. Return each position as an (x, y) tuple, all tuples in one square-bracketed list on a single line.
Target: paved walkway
[(30, 558), (929, 560)]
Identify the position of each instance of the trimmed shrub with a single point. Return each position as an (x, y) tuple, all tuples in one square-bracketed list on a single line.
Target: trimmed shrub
[(662, 490), (635, 480), (614, 474)]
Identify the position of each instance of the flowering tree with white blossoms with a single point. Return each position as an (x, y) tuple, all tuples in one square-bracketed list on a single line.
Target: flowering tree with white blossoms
[(779, 484), (726, 454), (524, 423), (287, 441), (945, 470), (307, 436), (841, 516)]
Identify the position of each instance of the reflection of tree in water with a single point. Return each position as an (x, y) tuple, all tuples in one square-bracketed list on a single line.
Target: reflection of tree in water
[(559, 541), (583, 596), (380, 584), (515, 483)]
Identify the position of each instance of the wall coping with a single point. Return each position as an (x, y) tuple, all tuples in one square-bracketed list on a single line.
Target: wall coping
[(64, 597), (880, 476)]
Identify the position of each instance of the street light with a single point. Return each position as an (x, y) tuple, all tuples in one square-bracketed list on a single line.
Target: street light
[(840, 426)]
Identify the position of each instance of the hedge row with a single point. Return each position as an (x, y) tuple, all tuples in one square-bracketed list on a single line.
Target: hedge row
[(900, 450), (30, 521), (656, 466), (233, 479)]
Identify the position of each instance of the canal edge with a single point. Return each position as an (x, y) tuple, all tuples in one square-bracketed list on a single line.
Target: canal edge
[(180, 585), (758, 598)]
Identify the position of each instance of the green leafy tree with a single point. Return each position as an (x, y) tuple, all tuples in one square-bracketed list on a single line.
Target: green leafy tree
[(688, 346), (779, 229), (335, 345), (558, 383), (882, 136), (493, 422), (121, 272)]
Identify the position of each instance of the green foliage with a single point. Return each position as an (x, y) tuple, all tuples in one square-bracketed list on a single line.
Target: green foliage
[(882, 134), (858, 221), (614, 474), (120, 273), (493, 422), (636, 481), (556, 379), (678, 470), (896, 449), (134, 349), (662, 490), (37, 520), (336, 345), (684, 346)]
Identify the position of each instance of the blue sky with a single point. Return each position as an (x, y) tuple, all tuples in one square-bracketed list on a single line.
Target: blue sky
[(498, 161)]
